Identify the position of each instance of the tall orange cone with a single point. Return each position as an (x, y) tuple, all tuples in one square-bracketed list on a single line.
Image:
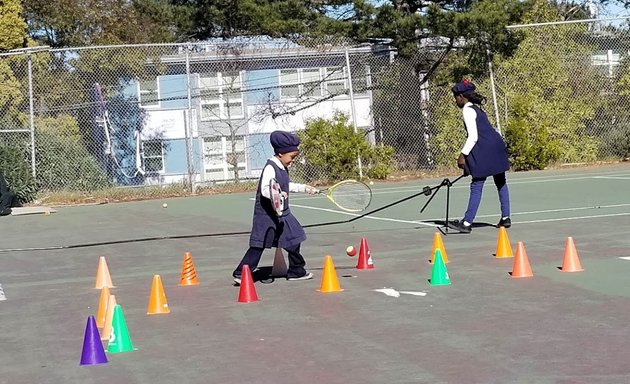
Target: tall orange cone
[(571, 261), (365, 256), (521, 266), (157, 300), (438, 244), (102, 307), (189, 275), (103, 279), (279, 268), (247, 291), (504, 249), (109, 318), (330, 282)]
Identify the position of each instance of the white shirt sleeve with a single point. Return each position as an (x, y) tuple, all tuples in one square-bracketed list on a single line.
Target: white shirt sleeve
[(470, 121), (268, 173)]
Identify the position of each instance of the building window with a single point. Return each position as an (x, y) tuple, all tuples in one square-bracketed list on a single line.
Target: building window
[(302, 82), (221, 96), (149, 93), (335, 81), (222, 157), (153, 155)]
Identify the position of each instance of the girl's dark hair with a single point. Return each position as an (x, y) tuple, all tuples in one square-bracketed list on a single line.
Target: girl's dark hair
[(476, 98)]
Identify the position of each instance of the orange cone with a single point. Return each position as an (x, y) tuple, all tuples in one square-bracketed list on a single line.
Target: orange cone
[(109, 318), (103, 279), (504, 249), (571, 261), (247, 291), (521, 266), (189, 276), (438, 244), (365, 256), (102, 307), (330, 282), (157, 301)]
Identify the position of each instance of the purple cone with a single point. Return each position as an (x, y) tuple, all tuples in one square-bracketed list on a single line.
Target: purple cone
[(93, 351)]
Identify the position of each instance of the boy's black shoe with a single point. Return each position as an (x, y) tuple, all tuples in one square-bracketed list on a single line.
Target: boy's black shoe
[(237, 280), (507, 223), (460, 226), (6, 212)]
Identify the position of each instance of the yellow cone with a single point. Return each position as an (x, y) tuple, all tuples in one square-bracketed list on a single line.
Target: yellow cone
[(330, 282), (438, 244)]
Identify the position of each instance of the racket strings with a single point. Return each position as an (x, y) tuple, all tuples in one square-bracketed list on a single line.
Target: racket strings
[(351, 196)]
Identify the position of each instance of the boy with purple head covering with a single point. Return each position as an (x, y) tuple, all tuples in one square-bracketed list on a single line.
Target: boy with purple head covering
[(484, 154), (268, 229)]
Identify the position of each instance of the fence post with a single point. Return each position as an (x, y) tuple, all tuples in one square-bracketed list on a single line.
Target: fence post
[(494, 92), (188, 125), (31, 112), (352, 109)]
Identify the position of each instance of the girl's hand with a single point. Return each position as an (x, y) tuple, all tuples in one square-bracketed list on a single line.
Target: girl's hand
[(461, 161)]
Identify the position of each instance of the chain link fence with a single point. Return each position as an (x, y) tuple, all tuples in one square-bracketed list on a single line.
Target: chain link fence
[(183, 117)]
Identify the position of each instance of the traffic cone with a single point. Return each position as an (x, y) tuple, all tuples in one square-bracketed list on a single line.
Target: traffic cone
[(109, 318), (365, 256), (102, 307), (439, 274), (279, 268), (330, 282), (93, 352), (504, 249), (103, 279), (247, 291), (157, 300), (438, 244), (189, 275), (571, 261), (119, 340), (521, 266)]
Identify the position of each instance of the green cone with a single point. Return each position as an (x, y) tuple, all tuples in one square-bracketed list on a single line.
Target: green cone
[(439, 275), (119, 341)]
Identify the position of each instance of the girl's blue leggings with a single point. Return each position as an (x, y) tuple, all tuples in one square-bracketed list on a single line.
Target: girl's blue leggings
[(476, 189)]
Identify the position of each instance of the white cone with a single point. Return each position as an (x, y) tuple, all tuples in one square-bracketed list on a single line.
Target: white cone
[(279, 268)]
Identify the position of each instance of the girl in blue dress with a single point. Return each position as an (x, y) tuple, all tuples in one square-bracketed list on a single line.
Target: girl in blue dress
[(484, 154)]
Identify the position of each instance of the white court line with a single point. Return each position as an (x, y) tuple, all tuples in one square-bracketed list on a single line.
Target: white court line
[(571, 218), (562, 210), (625, 257), (613, 177), (533, 180), (366, 217)]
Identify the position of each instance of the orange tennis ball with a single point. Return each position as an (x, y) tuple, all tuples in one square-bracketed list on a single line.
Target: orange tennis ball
[(351, 251)]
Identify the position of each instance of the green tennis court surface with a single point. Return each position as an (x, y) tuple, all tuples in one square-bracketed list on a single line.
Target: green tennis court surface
[(485, 327)]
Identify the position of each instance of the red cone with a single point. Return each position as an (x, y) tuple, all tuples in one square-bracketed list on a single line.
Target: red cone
[(247, 292), (365, 256)]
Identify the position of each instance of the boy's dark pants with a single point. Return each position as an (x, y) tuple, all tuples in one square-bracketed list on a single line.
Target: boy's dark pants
[(253, 255)]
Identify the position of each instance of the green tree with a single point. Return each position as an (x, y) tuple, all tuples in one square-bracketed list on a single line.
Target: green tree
[(13, 31), (551, 85), (331, 148)]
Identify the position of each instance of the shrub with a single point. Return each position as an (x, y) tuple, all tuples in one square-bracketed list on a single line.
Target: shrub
[(331, 148), (16, 169)]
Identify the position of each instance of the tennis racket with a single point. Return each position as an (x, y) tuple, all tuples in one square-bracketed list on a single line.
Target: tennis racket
[(277, 196), (349, 195)]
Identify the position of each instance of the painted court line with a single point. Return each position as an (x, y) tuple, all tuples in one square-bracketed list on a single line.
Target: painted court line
[(562, 210), (625, 257), (572, 218), (613, 177), (366, 217)]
